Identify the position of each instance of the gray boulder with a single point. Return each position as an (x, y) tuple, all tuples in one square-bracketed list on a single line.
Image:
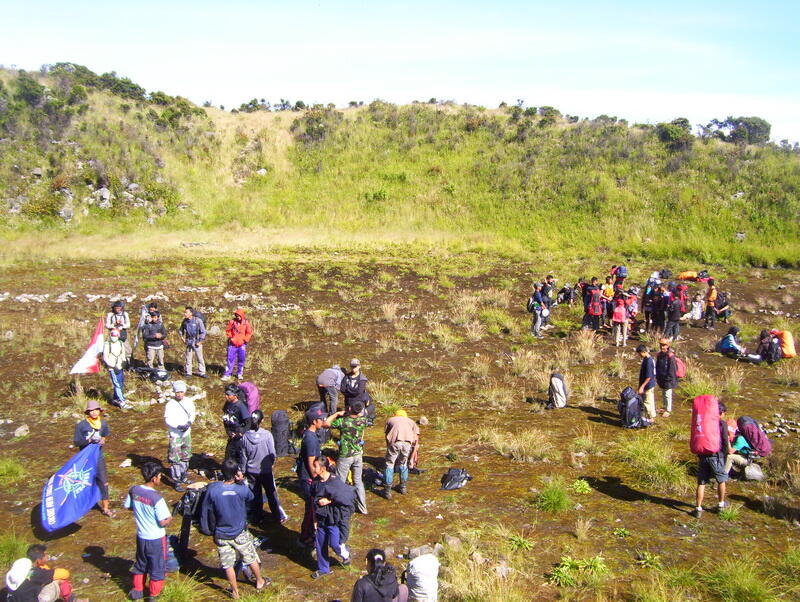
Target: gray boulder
[(22, 431)]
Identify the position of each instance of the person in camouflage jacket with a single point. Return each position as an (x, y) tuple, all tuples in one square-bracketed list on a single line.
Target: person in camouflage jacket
[(351, 427)]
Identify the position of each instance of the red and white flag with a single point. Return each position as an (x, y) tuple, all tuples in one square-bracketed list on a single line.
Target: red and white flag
[(89, 363)]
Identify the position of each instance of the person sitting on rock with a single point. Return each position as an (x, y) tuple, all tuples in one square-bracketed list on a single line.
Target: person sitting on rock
[(729, 344)]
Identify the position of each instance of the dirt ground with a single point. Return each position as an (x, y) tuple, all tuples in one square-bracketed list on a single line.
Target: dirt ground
[(422, 349)]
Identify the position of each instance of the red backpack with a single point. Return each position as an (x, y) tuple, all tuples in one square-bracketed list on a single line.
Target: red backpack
[(683, 296), (680, 366), (704, 439), (595, 305)]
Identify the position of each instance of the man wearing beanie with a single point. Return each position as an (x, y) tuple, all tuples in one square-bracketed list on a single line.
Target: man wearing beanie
[(179, 414)]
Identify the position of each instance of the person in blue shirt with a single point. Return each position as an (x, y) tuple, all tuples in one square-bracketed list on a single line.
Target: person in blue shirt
[(151, 514), (647, 381), (228, 501)]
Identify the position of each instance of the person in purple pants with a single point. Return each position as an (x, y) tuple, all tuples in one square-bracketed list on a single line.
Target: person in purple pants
[(239, 333)]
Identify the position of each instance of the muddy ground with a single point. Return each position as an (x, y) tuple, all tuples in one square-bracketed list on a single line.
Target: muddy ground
[(434, 356)]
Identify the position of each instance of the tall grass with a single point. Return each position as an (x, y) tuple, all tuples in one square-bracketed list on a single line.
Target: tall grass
[(528, 445), (11, 471), (738, 578), (698, 381), (585, 345), (553, 497), (650, 460), (11, 548)]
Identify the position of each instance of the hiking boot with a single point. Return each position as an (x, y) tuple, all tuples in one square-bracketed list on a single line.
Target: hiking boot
[(179, 488), (697, 512), (387, 492), (226, 378), (402, 489), (318, 574), (723, 505)]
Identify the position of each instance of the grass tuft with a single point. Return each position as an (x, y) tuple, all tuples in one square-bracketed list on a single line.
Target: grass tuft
[(554, 497), (733, 579), (529, 445), (650, 460)]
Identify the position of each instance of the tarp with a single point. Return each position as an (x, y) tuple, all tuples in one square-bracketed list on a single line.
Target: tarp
[(72, 491), (89, 363)]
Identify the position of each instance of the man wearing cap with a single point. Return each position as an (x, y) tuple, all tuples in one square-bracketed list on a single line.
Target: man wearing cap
[(154, 333), (402, 434), (236, 420), (179, 414), (666, 374), (193, 332), (354, 386), (93, 430), (328, 383), (309, 449)]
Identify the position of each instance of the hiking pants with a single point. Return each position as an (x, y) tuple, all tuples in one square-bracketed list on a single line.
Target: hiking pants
[(672, 330), (650, 402), (619, 333), (118, 383), (666, 399), (196, 351), (356, 463), (236, 355), (594, 322), (330, 397), (711, 316), (265, 481), (397, 452), (327, 536), (739, 461), (307, 528), (179, 454), (153, 354), (536, 323)]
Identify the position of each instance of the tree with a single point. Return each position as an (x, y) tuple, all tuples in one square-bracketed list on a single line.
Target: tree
[(676, 135), (740, 130), (29, 90)]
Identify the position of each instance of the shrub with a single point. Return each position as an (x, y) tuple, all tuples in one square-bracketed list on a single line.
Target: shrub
[(553, 498), (526, 363), (389, 311), (730, 513), (650, 459), (11, 471), (733, 379), (733, 579), (593, 386), (182, 588), (788, 373), (498, 321), (571, 572), (584, 440), (584, 344)]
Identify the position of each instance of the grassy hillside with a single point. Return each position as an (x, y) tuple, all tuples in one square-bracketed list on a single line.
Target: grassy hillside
[(507, 178)]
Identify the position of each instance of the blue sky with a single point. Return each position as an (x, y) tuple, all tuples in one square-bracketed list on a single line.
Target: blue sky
[(645, 61)]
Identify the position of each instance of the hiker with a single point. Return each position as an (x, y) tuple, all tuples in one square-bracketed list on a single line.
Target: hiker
[(620, 273), (739, 455), (151, 514), (619, 321), (713, 466), (535, 306), (661, 300), (328, 383), (696, 312), (606, 299), (402, 434), (557, 395), (380, 583), (227, 502), (422, 575), (258, 448), (666, 374), (566, 295), (333, 505), (674, 315), (193, 333), (239, 333), (179, 414), (592, 306), (354, 385), (310, 448), (154, 335), (722, 307), (351, 424), (114, 357), (632, 310), (710, 301), (729, 344), (548, 286), (647, 381), (93, 430), (236, 420), (648, 300), (31, 579), (119, 319)]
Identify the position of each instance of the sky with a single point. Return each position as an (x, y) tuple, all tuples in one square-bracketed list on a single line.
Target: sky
[(641, 60)]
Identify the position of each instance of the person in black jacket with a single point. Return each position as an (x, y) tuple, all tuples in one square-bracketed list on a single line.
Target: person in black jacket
[(674, 314), (93, 430), (666, 374), (354, 388), (380, 582), (236, 419), (154, 333), (334, 501)]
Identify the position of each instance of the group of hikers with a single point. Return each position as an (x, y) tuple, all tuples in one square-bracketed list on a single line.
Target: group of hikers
[(332, 484)]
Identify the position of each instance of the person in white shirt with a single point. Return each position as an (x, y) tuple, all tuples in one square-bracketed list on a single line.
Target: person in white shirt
[(422, 576), (179, 414)]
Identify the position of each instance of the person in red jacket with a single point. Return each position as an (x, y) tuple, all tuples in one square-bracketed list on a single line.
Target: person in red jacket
[(239, 333)]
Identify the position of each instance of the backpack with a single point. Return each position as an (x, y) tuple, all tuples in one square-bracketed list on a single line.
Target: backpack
[(595, 303), (557, 394), (199, 315), (666, 274), (786, 342), (704, 439), (455, 478), (250, 395), (774, 352), (702, 274), (630, 409), (531, 305), (722, 300), (682, 295), (680, 366), (622, 272), (754, 436), (280, 432)]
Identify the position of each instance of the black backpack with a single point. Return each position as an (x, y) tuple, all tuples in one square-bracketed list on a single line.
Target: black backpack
[(280, 432), (455, 478), (722, 300), (665, 274), (702, 274), (774, 352), (531, 305), (630, 409)]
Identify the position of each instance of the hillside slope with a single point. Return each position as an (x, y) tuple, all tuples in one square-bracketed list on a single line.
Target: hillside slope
[(84, 154)]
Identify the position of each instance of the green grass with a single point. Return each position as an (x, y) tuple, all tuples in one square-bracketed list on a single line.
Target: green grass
[(572, 572), (553, 497), (11, 548), (650, 460), (498, 321), (527, 445), (734, 579), (730, 513), (648, 560), (581, 486), (11, 471)]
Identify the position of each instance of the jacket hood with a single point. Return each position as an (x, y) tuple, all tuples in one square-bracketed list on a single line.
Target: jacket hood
[(387, 586), (239, 312)]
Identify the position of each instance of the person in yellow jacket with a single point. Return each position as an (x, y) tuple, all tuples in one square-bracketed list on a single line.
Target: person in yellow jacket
[(711, 300)]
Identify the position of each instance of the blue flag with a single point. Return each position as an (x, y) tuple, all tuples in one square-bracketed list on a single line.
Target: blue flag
[(72, 491)]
